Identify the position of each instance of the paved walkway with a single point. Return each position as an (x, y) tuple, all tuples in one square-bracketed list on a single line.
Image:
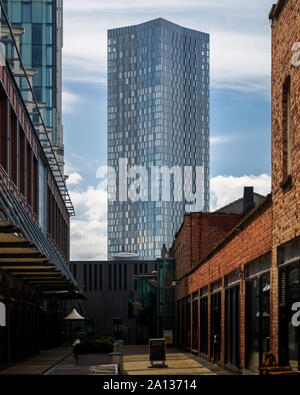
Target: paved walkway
[(40, 363), (60, 361), (136, 362)]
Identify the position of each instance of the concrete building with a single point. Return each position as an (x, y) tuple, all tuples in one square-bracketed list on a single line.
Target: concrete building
[(158, 115), (111, 290)]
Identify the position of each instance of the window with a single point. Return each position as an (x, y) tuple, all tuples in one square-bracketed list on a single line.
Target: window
[(85, 276), (4, 139), (37, 37), (120, 277), (109, 277), (29, 174), (42, 196), (115, 277), (286, 121), (100, 277), (26, 12), (14, 148), (95, 277), (90, 277), (36, 55)]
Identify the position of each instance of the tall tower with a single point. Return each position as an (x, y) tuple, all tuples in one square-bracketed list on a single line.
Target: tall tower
[(41, 50), (158, 115)]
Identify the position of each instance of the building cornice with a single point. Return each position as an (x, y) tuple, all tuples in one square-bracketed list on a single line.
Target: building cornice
[(277, 8)]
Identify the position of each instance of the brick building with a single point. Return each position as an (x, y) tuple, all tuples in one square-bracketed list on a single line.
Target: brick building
[(285, 17), (211, 303), (237, 292)]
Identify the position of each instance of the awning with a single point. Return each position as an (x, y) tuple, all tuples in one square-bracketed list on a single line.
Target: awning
[(74, 316)]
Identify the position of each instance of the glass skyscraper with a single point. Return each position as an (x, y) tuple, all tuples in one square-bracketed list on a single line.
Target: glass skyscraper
[(158, 115), (41, 50)]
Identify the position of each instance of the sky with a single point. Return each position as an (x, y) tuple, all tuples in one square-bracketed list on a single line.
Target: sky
[(240, 37)]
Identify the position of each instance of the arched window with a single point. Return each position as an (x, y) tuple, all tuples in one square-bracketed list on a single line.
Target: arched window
[(286, 136), (2, 314)]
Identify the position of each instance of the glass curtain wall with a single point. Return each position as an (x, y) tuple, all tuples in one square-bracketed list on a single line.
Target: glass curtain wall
[(38, 47), (166, 296), (146, 320)]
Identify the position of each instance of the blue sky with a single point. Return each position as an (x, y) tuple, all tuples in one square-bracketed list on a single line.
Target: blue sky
[(240, 99)]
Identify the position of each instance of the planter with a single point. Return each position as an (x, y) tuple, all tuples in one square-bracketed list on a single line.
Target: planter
[(92, 359)]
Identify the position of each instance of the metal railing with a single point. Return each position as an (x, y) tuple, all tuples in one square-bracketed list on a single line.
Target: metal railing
[(40, 127)]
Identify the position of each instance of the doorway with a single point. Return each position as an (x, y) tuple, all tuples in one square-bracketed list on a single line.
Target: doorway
[(216, 327), (232, 326)]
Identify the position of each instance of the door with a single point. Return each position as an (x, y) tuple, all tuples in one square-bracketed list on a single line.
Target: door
[(195, 326), (216, 327), (204, 325), (232, 325), (257, 319)]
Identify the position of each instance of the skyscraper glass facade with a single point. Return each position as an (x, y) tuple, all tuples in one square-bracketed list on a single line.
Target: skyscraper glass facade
[(158, 115), (40, 49)]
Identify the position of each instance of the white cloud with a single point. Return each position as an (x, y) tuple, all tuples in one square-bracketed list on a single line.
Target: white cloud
[(226, 189), (240, 61), (214, 140), (240, 36), (74, 179), (69, 101), (89, 227)]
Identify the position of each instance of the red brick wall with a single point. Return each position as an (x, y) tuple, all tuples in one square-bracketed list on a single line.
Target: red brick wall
[(286, 201), (252, 242), (199, 234)]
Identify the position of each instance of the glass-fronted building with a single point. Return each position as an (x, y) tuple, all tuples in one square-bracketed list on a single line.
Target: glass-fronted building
[(41, 50), (158, 115)]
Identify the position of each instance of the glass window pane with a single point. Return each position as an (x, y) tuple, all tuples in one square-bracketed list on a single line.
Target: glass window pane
[(26, 12), (49, 13), (36, 12), (37, 34), (48, 34), (16, 12), (36, 55)]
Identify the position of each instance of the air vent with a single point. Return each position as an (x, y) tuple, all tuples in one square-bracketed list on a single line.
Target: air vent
[(282, 295)]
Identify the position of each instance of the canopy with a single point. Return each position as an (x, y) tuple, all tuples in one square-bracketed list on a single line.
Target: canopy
[(74, 316)]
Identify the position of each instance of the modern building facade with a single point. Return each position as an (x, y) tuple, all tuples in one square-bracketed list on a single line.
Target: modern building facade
[(158, 115), (131, 299), (111, 290), (41, 50), (34, 226)]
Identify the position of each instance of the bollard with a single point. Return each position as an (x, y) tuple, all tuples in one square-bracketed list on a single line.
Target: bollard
[(117, 359)]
